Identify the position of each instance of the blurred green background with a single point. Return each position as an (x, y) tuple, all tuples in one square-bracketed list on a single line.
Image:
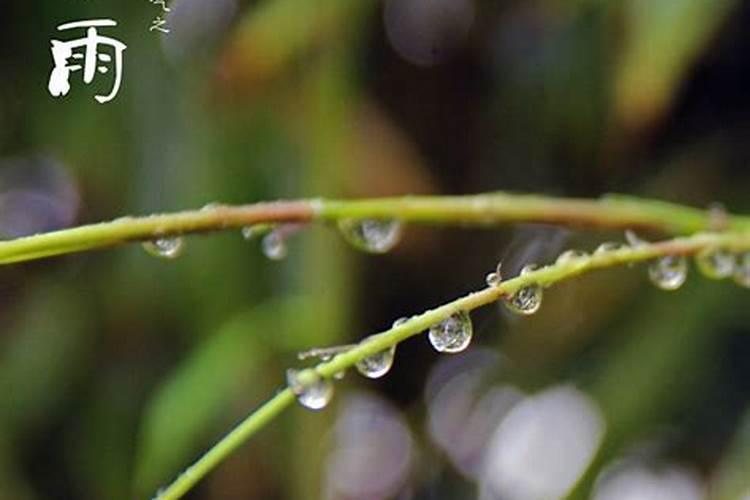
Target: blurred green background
[(119, 369)]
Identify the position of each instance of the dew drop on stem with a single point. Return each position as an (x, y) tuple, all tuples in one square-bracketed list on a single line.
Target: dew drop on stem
[(527, 299), (609, 246), (715, 263), (371, 235), (378, 364), (668, 272), (165, 248), (314, 396), (570, 256), (400, 321), (453, 334), (274, 246), (250, 232), (495, 278)]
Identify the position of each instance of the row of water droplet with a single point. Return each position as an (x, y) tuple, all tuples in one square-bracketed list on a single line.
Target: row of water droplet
[(371, 235), (454, 333), (670, 271), (451, 335)]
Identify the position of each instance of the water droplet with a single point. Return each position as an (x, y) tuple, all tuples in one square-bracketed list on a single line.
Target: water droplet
[(494, 279), (668, 272), (314, 396), (715, 263), (339, 375), (378, 364), (609, 246), (372, 235), (324, 354), (211, 206), (249, 232), (321, 354), (453, 334), (527, 299), (400, 321), (274, 246), (742, 270), (166, 248), (570, 256)]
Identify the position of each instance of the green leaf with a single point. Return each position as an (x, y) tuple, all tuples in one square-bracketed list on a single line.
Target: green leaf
[(662, 40), (188, 405)]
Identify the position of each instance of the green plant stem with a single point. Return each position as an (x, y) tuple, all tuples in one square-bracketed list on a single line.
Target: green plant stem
[(227, 445), (545, 276), (482, 209)]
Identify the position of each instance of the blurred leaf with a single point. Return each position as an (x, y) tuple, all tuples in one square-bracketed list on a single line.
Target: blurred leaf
[(663, 38), (190, 402), (662, 364), (99, 445), (732, 481), (47, 352), (276, 33), (14, 485)]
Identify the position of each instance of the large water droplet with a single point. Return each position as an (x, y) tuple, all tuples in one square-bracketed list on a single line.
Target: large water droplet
[(372, 235), (314, 396), (378, 364), (570, 256), (274, 246), (715, 263), (494, 279), (166, 248), (742, 270), (668, 272), (528, 299), (453, 334)]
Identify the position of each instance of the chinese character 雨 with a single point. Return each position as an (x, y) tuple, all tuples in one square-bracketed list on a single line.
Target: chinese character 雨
[(159, 24), (67, 59)]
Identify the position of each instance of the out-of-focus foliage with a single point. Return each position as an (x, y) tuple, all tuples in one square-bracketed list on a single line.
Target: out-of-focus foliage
[(118, 369), (663, 41)]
